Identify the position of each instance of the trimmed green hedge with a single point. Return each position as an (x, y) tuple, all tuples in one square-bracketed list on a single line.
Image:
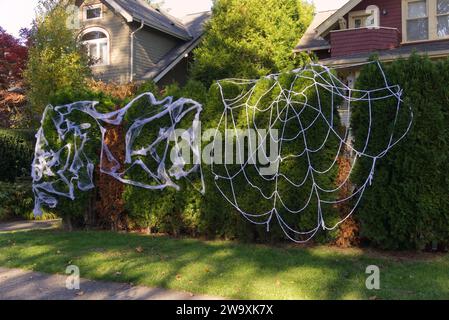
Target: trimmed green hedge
[(16, 200), (16, 153), (210, 215), (407, 206), (74, 212)]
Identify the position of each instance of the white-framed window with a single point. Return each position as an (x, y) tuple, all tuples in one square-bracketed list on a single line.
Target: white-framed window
[(425, 20), (96, 41), (417, 25), (442, 18), (93, 12)]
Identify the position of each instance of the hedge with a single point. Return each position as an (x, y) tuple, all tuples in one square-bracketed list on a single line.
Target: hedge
[(75, 213), (407, 206), (210, 215), (16, 153)]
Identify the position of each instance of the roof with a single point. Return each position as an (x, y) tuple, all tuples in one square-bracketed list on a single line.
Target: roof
[(195, 25), (310, 39), (142, 11), (313, 38), (333, 19), (432, 49)]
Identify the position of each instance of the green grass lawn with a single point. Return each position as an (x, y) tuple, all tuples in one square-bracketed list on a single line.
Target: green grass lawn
[(227, 269)]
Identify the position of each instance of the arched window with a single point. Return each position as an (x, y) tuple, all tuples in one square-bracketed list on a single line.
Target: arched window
[(96, 41)]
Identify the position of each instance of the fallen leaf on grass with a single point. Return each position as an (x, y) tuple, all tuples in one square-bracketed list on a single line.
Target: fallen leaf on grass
[(139, 250), (178, 277)]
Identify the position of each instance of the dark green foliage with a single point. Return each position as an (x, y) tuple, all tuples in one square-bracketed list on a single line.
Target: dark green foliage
[(210, 215), (407, 206), (16, 201), (76, 210), (167, 210), (16, 153)]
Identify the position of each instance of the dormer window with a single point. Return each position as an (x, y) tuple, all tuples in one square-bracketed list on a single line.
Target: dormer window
[(364, 19), (93, 12)]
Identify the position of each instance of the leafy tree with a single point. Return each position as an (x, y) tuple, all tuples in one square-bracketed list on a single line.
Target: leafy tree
[(57, 61), (250, 38), (13, 57)]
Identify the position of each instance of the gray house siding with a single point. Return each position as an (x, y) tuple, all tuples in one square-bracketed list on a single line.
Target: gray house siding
[(178, 74), (119, 32), (160, 44), (150, 46)]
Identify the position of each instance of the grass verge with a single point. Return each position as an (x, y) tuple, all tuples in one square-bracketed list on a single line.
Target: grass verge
[(226, 269)]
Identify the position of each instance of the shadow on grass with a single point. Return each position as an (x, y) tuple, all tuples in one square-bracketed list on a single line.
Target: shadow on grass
[(226, 269)]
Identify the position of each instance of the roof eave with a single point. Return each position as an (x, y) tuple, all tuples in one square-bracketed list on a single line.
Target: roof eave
[(298, 50), (163, 72), (129, 18), (342, 62), (164, 30), (333, 19)]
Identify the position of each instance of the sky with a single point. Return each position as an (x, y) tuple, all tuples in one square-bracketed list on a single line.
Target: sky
[(17, 14), (323, 5)]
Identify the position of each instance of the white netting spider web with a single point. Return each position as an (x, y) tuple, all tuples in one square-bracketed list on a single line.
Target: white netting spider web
[(62, 164), (299, 115)]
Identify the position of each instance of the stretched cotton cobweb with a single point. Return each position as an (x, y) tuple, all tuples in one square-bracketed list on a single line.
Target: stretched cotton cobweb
[(299, 112), (61, 164)]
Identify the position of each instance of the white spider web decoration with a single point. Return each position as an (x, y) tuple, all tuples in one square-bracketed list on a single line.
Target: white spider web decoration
[(56, 171), (295, 115)]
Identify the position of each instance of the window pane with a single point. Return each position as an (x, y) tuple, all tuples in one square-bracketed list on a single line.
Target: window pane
[(417, 9), (104, 53), (443, 26), (417, 29), (93, 52), (443, 6), (94, 35), (358, 23), (93, 13)]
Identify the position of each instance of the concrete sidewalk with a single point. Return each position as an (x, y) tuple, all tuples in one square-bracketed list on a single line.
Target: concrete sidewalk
[(29, 225), (25, 285)]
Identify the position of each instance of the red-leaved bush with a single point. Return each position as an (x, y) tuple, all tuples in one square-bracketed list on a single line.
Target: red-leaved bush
[(13, 57)]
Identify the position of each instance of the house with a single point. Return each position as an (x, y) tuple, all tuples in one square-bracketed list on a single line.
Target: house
[(392, 28), (129, 40)]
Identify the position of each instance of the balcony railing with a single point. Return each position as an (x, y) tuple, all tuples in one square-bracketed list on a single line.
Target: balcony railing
[(363, 40)]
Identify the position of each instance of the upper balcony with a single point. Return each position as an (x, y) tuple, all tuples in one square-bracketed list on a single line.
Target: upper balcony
[(363, 40)]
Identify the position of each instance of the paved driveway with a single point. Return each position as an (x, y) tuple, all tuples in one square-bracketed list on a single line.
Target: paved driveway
[(25, 285), (29, 225)]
